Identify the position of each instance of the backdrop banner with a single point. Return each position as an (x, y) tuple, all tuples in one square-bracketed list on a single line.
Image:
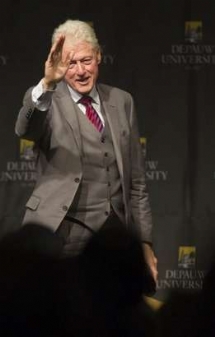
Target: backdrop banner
[(164, 55)]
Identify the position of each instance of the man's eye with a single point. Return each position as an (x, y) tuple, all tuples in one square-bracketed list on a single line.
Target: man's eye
[(87, 61), (71, 64)]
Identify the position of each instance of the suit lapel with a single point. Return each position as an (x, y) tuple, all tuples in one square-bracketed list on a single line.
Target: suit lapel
[(114, 124), (70, 111)]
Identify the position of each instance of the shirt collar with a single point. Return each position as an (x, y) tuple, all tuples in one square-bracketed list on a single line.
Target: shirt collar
[(76, 96)]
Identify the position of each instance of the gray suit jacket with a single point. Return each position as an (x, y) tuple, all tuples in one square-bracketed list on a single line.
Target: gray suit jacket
[(58, 141)]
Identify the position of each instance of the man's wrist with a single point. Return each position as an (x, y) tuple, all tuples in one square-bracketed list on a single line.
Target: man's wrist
[(48, 86)]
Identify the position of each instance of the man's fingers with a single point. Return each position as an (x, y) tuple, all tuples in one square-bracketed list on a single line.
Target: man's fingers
[(56, 49), (59, 43)]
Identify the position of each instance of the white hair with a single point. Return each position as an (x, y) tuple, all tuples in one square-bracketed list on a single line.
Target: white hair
[(76, 31)]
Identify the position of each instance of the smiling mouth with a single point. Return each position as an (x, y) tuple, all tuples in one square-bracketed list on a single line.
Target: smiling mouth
[(83, 80)]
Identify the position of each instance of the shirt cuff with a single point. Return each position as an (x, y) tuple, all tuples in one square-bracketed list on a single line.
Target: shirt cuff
[(42, 98)]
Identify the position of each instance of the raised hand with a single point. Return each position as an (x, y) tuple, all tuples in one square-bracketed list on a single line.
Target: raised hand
[(56, 64)]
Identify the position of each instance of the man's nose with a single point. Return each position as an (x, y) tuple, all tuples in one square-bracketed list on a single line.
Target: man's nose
[(80, 67)]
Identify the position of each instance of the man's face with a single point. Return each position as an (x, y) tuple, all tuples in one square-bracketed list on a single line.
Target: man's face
[(83, 71)]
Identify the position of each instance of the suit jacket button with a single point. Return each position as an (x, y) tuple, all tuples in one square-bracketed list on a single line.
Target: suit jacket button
[(65, 208), (77, 180)]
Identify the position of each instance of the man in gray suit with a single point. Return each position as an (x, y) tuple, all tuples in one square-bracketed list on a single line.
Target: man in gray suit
[(89, 169)]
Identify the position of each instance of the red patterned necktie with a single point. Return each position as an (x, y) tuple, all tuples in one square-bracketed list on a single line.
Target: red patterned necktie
[(91, 112)]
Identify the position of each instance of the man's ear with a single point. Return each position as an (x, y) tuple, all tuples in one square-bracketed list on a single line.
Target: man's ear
[(99, 56)]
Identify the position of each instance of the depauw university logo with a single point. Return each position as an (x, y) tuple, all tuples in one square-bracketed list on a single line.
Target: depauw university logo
[(26, 149), (143, 144), (193, 31), (187, 257)]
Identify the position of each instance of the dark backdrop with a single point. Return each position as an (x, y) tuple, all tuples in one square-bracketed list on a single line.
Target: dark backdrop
[(148, 50)]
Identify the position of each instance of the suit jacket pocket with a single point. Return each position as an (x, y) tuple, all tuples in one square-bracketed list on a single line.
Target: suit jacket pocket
[(33, 203)]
